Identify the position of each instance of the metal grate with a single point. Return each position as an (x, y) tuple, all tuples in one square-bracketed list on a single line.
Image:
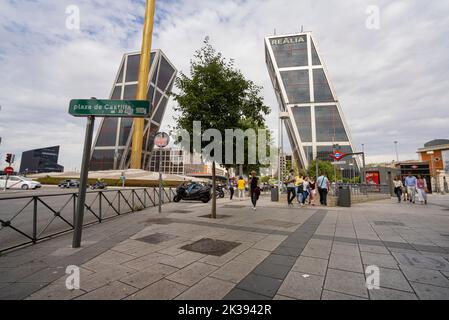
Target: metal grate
[(157, 238), (219, 216), (211, 247)]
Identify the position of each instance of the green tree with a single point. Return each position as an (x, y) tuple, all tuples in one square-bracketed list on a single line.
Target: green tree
[(218, 95), (325, 167)]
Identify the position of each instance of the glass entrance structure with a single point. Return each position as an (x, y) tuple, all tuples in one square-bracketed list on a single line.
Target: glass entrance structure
[(315, 124), (112, 146)]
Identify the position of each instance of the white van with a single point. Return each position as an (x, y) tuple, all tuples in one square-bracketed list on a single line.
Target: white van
[(18, 182)]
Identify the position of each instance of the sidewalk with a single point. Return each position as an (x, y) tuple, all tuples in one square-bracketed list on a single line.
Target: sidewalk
[(273, 253)]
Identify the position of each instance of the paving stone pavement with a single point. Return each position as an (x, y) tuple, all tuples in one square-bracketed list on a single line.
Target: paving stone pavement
[(282, 253)]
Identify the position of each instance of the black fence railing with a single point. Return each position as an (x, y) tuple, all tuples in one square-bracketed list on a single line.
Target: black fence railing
[(29, 219), (360, 189)]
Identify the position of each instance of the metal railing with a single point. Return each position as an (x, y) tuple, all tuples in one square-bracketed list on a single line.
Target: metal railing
[(29, 219), (360, 189)]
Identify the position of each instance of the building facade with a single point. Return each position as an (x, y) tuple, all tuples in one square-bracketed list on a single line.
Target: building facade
[(315, 125), (112, 146), (41, 160), (168, 161), (436, 154)]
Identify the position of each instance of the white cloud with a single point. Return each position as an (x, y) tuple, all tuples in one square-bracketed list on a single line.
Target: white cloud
[(392, 82)]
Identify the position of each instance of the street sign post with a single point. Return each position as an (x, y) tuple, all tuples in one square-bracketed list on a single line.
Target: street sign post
[(92, 108), (109, 108), (161, 140)]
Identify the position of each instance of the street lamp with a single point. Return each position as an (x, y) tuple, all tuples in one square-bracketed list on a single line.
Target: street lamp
[(396, 149), (282, 116)]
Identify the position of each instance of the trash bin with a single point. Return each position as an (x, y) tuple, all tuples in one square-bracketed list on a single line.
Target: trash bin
[(344, 196), (275, 194)]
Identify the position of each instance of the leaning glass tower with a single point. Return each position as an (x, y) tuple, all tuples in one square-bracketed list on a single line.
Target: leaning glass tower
[(315, 125), (112, 146)]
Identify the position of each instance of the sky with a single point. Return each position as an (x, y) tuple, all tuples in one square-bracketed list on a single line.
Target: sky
[(387, 59)]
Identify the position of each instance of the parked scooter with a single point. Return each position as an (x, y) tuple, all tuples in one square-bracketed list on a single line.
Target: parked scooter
[(192, 192), (98, 185)]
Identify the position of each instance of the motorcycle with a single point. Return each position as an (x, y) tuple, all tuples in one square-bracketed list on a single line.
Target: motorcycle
[(194, 192), (220, 192), (98, 185)]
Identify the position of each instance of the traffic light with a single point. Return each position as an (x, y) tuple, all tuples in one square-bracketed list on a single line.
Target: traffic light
[(9, 157)]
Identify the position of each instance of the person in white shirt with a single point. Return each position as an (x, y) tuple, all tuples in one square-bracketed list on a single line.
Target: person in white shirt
[(398, 185), (323, 184)]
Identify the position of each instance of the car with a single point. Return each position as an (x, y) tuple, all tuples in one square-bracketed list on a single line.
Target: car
[(19, 182), (69, 183)]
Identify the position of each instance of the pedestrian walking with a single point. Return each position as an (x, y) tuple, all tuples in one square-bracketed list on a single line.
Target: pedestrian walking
[(254, 189), (410, 184), (231, 189), (398, 186), (291, 189), (323, 188), (312, 188), (421, 186), (299, 188), (241, 187), (305, 190)]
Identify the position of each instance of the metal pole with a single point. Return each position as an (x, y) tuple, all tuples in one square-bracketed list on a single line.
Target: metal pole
[(83, 183), (160, 181), (281, 152), (214, 193), (396, 148), (144, 68)]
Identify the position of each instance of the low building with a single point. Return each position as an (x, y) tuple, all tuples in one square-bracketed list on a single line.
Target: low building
[(416, 168), (41, 160), (436, 154)]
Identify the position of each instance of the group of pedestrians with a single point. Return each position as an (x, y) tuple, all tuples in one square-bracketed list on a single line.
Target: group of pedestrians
[(304, 189), (253, 186), (411, 188)]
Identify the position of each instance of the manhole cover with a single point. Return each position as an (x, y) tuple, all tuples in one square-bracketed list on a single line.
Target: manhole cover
[(276, 223), (219, 216), (159, 221), (422, 261), (157, 238), (180, 211), (231, 206), (388, 223), (211, 247)]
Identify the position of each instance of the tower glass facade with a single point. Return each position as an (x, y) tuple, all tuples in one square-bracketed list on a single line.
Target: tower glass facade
[(113, 141), (316, 125)]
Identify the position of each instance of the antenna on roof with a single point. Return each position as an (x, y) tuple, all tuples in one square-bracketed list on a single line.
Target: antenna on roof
[(302, 28), (274, 31)]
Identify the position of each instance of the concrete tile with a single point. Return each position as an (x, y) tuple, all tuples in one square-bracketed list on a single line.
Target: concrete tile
[(309, 265), (262, 285), (146, 261), (19, 291), (239, 295), (316, 252), (347, 263), (297, 286), (279, 297), (380, 260), (148, 276), (345, 249), (112, 257), (271, 270), (346, 282), (252, 256), (219, 261), (373, 249), (429, 292), (104, 277), (192, 273), (331, 295), (426, 276), (207, 289), (393, 279), (182, 260), (113, 291), (160, 290), (56, 291), (389, 294), (282, 260), (234, 271)]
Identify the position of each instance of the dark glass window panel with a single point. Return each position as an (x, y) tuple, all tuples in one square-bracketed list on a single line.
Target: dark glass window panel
[(321, 87), (157, 98), (297, 85), (160, 111), (315, 58), (125, 129), (108, 133), (329, 127), (290, 51), (116, 94), (166, 72), (102, 160), (154, 75), (153, 130), (120, 76), (303, 121), (130, 92), (132, 69)]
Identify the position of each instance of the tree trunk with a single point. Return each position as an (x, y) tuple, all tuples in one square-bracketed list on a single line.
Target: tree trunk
[(214, 194)]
